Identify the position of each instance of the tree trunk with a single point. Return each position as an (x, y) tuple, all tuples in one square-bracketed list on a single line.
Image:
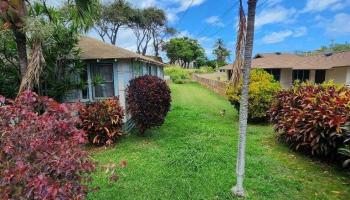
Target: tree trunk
[(21, 43), (243, 111)]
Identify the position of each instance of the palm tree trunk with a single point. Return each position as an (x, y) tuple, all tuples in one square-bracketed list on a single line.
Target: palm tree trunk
[(243, 113), (21, 43)]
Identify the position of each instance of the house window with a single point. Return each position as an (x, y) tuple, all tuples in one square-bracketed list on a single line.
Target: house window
[(154, 70), (276, 73), (320, 76), (105, 86), (301, 75), (137, 71), (229, 74)]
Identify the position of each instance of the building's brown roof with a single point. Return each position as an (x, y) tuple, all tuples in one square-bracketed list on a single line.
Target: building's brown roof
[(96, 49), (293, 61)]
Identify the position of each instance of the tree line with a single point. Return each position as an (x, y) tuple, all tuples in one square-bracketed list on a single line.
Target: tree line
[(150, 28)]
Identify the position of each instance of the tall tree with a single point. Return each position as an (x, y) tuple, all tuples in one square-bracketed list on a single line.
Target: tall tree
[(148, 24), (53, 39), (12, 14), (221, 52), (113, 17), (159, 36), (243, 111), (155, 20), (183, 51)]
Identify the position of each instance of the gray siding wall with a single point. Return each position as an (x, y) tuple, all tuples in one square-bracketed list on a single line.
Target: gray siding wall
[(123, 72)]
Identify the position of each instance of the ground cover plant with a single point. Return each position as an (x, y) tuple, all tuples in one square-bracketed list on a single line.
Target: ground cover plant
[(262, 90), (102, 121), (149, 101), (177, 74), (313, 119), (41, 154), (192, 156)]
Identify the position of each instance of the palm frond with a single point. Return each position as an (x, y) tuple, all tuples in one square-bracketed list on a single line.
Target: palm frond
[(240, 44), (34, 68)]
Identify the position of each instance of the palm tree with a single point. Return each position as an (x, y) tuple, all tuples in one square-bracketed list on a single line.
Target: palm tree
[(13, 13), (243, 112), (220, 52)]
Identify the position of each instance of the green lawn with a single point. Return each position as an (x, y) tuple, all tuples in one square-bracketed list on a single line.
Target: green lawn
[(193, 155)]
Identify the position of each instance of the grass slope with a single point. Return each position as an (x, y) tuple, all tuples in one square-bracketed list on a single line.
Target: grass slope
[(192, 156)]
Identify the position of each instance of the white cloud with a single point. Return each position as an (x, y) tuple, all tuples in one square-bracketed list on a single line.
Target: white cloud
[(172, 7), (184, 4), (276, 37), (301, 31), (339, 24), (273, 2), (321, 5), (215, 21), (143, 3), (277, 14), (280, 36)]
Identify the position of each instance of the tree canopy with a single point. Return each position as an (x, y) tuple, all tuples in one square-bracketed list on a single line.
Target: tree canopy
[(113, 17), (148, 25), (183, 50)]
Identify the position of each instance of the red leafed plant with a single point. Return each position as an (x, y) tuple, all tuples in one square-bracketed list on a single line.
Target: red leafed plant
[(103, 121), (148, 99), (41, 154), (313, 118)]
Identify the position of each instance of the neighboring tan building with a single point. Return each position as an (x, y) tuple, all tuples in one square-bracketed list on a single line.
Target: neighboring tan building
[(116, 66), (287, 68)]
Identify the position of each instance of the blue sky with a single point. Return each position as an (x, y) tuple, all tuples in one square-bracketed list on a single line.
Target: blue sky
[(281, 25)]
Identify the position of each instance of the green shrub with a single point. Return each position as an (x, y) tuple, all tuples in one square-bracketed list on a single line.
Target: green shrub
[(313, 119), (345, 152), (204, 70), (262, 89), (177, 74)]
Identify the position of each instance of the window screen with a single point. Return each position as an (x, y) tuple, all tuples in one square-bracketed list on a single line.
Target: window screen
[(301, 75), (106, 87)]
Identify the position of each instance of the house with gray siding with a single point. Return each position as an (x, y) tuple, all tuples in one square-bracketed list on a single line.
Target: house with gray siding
[(114, 66)]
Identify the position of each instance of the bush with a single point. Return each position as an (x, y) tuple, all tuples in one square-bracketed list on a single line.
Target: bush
[(262, 90), (204, 70), (103, 121), (345, 152), (177, 74), (148, 99), (313, 118), (40, 150)]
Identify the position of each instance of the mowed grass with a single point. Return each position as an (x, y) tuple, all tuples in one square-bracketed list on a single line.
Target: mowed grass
[(193, 155)]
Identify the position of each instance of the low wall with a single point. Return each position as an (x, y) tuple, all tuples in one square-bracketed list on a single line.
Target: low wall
[(218, 87)]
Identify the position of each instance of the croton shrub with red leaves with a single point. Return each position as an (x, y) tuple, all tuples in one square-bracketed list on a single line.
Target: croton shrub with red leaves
[(41, 154), (148, 101), (313, 119), (103, 121)]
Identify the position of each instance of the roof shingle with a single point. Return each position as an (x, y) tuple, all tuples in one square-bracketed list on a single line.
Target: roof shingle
[(293, 61), (96, 49)]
